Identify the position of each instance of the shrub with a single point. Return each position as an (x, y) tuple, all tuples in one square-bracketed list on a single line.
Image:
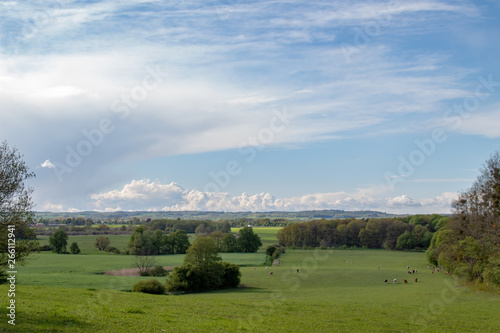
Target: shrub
[(158, 271), (152, 286), (112, 249), (232, 275), (45, 248)]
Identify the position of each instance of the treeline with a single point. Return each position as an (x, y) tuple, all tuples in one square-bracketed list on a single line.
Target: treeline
[(469, 244), (411, 233), (146, 240)]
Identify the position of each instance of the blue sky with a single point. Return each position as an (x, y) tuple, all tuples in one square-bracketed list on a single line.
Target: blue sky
[(250, 105)]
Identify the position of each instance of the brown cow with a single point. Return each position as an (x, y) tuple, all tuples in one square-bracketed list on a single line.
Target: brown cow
[(406, 281), (416, 280)]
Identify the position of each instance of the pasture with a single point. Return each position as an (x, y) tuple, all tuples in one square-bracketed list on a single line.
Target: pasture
[(333, 291)]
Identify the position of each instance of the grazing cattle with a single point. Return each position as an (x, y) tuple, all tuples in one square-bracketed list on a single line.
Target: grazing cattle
[(409, 272), (297, 270), (416, 280), (271, 273), (394, 281), (406, 281), (413, 271), (408, 267), (385, 281)]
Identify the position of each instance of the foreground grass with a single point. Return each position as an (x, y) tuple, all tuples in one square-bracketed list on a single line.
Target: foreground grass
[(333, 291), (328, 294)]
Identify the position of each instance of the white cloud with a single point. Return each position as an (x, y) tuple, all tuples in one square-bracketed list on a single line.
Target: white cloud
[(50, 207), (152, 195), (47, 164)]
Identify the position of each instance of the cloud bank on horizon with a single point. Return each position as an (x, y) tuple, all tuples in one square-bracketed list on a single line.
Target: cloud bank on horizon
[(383, 105), (153, 196)]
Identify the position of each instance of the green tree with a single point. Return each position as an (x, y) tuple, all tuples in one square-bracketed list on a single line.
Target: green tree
[(102, 243), (179, 241), (15, 208), (217, 237), (140, 242), (73, 248), (203, 253), (202, 269), (248, 241), (406, 241), (469, 244), (58, 240), (226, 227), (229, 243), (232, 275)]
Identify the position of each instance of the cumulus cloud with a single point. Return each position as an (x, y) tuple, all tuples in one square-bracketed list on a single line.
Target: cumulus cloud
[(152, 195)]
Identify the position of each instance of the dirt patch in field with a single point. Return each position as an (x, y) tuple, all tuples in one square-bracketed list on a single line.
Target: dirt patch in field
[(132, 271)]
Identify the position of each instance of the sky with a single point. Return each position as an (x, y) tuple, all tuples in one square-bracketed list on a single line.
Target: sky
[(250, 105)]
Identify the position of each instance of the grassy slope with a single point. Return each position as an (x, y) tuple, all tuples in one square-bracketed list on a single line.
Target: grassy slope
[(329, 294)]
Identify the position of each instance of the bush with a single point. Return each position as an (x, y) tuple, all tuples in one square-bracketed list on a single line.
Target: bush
[(232, 275), (74, 249), (152, 286), (112, 249), (158, 271), (45, 248)]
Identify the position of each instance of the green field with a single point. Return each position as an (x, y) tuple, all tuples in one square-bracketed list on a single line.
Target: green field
[(334, 291)]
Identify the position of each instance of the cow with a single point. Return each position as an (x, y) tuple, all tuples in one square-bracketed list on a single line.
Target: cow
[(406, 281), (385, 281), (394, 281), (416, 280), (271, 273), (409, 272)]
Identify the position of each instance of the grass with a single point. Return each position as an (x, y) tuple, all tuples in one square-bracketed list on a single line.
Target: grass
[(328, 294)]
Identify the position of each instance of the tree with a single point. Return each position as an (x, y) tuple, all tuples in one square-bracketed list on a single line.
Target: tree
[(140, 242), (203, 253), (144, 263), (15, 208), (229, 243), (406, 241), (226, 227), (217, 236), (102, 243), (179, 241), (203, 270), (469, 244), (59, 240), (248, 241), (74, 249)]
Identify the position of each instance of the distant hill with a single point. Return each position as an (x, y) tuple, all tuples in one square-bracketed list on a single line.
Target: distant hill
[(204, 215)]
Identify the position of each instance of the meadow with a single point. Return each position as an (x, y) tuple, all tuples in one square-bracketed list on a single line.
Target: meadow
[(332, 291)]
